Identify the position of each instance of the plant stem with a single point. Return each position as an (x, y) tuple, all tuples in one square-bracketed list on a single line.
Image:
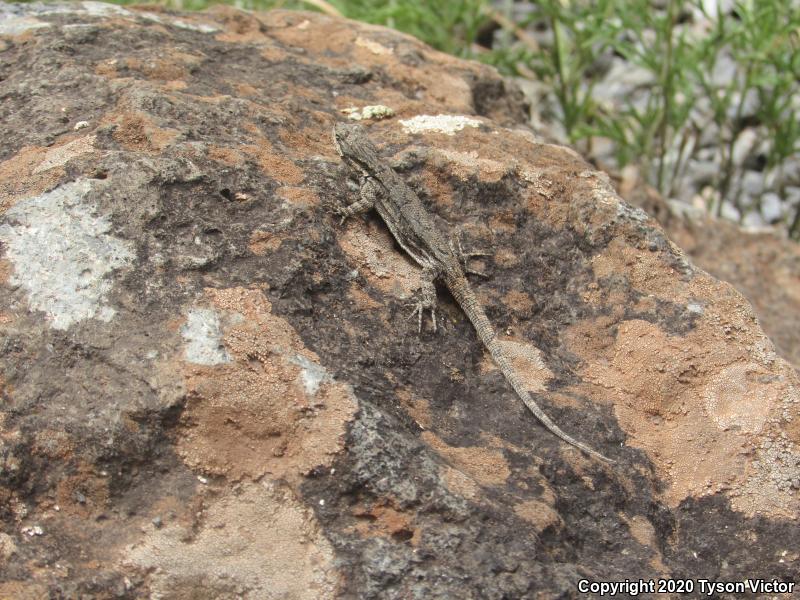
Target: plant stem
[(666, 86), (794, 228), (563, 90), (736, 129)]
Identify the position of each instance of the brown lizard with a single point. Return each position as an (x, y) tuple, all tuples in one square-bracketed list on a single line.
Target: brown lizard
[(413, 228)]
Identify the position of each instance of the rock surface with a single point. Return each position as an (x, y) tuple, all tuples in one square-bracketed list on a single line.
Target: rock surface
[(762, 264), (209, 388)]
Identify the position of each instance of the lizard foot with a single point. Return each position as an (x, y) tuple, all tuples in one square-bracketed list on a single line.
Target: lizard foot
[(419, 307), (426, 298)]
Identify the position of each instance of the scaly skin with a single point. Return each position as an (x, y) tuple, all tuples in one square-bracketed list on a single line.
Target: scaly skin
[(414, 229)]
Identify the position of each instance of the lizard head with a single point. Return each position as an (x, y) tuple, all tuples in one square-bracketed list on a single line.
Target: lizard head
[(347, 139)]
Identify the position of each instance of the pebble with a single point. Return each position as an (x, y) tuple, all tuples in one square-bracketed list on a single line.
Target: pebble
[(752, 185), (771, 207), (743, 145), (753, 220), (792, 195), (730, 212), (702, 172)]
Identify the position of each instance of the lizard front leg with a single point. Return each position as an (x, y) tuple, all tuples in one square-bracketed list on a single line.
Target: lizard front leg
[(366, 200)]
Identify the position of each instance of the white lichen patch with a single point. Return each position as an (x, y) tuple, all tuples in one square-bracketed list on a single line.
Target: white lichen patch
[(102, 9), (179, 23), (373, 47), (201, 27), (773, 484), (14, 21), (62, 254), (312, 374), (18, 25), (374, 112), (203, 337), (447, 124)]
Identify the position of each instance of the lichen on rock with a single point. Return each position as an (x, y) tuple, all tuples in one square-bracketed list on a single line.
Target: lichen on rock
[(210, 385)]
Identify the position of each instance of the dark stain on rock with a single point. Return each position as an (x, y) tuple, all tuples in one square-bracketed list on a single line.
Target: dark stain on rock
[(190, 190)]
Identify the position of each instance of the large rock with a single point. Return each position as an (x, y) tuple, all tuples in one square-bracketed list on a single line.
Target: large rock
[(210, 388), (760, 263)]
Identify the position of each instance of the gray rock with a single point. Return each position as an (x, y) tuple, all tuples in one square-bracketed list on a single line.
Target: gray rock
[(752, 186), (753, 220), (730, 212), (771, 207), (744, 146)]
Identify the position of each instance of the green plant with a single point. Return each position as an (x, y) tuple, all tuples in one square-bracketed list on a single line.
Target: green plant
[(763, 46), (581, 31), (448, 26), (660, 125)]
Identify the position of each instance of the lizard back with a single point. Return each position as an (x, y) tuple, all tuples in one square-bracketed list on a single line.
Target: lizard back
[(397, 204)]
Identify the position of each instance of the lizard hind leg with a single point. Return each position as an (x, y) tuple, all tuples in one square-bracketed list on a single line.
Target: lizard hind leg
[(426, 299), (463, 257)]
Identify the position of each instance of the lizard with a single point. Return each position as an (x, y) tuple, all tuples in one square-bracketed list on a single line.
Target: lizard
[(414, 229)]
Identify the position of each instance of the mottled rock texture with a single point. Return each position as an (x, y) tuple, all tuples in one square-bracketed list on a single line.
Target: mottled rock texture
[(210, 388), (760, 263)]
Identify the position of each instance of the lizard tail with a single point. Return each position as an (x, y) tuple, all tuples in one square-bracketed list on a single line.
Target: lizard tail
[(472, 308), (496, 350)]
